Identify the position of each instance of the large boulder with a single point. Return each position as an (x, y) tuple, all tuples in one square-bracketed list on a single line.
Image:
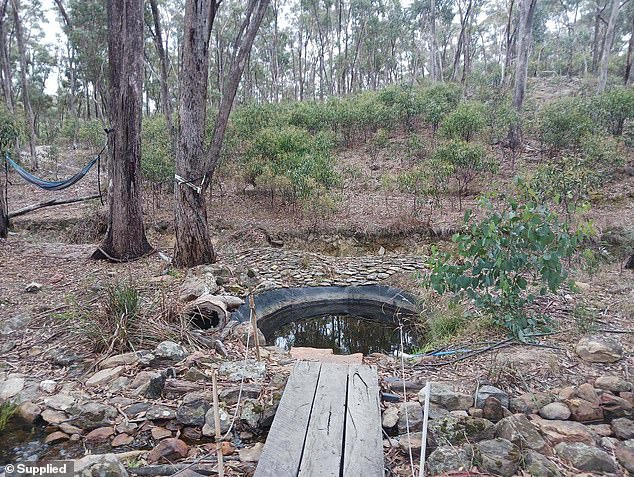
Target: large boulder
[(485, 391), (449, 458), (498, 456), (623, 428), (586, 457), (11, 388), (171, 350), (521, 432), (168, 450), (194, 408), (410, 413), (614, 384), (459, 429), (100, 465), (445, 395), (584, 411), (564, 431), (555, 411), (209, 429), (105, 376), (599, 349), (537, 465), (92, 414), (238, 370)]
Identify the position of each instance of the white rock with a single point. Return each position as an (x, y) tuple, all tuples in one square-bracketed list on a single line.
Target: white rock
[(59, 402), (104, 376), (10, 388), (33, 287), (48, 386)]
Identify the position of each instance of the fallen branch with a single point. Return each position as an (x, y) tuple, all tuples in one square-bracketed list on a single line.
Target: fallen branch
[(49, 203)]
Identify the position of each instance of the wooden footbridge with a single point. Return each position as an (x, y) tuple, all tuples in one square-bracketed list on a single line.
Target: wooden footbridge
[(328, 423)]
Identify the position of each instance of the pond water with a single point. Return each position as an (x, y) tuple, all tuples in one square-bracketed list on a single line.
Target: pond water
[(345, 334), (21, 441)]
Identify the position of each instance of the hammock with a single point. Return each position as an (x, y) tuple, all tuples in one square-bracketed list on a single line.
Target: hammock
[(51, 185)]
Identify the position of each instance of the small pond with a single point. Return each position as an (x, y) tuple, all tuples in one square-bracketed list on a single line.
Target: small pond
[(345, 334)]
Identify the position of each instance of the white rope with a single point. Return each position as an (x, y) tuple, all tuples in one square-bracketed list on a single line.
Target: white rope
[(235, 414), (183, 181)]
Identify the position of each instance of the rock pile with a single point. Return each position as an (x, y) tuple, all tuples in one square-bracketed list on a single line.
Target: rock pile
[(588, 427), (159, 401)]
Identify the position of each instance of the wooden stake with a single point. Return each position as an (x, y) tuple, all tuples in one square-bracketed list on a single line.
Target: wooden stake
[(254, 325), (214, 381)]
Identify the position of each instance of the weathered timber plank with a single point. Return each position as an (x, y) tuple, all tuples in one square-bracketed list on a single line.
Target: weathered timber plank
[(284, 444), (363, 446), (324, 440)]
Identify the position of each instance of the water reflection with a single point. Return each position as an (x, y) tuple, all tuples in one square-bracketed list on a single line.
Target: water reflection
[(344, 335)]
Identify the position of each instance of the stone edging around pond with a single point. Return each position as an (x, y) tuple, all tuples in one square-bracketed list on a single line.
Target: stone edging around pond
[(278, 307)]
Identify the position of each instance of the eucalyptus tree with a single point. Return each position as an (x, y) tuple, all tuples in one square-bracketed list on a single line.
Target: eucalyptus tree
[(125, 238), (193, 162), (608, 41), (527, 13), (26, 99)]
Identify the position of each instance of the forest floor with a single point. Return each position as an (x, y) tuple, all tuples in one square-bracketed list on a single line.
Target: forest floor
[(52, 247)]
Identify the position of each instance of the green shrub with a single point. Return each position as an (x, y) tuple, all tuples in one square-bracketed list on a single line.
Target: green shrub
[(468, 120), (614, 108), (568, 181), (465, 160), (91, 134), (500, 116), (562, 124), (292, 161), (7, 410), (437, 102), (427, 183), (504, 260), (157, 158)]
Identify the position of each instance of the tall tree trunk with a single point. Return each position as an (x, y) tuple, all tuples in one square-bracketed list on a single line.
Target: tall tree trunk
[(25, 84), (4, 59), (596, 35), (193, 243), (254, 15), (527, 12), (435, 69), (166, 103), (4, 213), (125, 238), (607, 46), (628, 59)]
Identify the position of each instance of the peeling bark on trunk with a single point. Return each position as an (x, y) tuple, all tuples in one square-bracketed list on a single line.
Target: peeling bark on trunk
[(628, 60), (125, 238), (527, 12), (193, 243), (607, 46), (25, 84)]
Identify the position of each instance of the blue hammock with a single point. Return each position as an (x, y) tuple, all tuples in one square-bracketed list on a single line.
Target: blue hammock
[(51, 185)]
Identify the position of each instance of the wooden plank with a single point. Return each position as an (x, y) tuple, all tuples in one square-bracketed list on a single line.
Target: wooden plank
[(363, 446), (283, 448), (324, 440)]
